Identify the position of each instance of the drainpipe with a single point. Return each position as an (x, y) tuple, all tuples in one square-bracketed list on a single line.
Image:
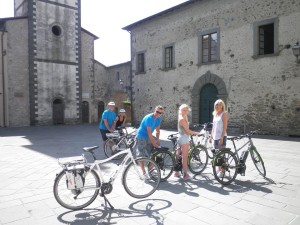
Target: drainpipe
[(130, 82), (3, 81)]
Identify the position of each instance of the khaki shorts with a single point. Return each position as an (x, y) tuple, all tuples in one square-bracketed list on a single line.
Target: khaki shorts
[(144, 148)]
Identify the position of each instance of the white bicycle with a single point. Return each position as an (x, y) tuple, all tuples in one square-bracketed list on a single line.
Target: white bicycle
[(79, 183)]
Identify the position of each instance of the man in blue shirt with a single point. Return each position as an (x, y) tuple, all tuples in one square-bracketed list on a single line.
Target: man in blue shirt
[(108, 121), (145, 140)]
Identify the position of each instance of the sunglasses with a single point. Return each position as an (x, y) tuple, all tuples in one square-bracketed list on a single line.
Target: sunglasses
[(158, 112)]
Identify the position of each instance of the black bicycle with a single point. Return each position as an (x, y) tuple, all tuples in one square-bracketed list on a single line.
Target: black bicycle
[(227, 164), (168, 160)]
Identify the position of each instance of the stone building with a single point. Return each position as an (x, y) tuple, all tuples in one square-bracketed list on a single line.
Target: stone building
[(48, 74), (236, 50)]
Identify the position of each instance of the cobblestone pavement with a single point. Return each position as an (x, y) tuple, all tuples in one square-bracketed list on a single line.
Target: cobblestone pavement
[(28, 166)]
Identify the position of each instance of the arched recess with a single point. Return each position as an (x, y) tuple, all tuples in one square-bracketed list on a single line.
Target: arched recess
[(207, 78), (85, 112), (58, 114)]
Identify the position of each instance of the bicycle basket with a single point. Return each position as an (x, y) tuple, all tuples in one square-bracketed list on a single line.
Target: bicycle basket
[(75, 177), (114, 134)]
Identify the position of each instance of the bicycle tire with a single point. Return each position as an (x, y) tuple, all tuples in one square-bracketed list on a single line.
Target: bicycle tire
[(258, 161), (227, 162), (165, 161), (115, 145), (86, 195), (134, 181), (197, 160)]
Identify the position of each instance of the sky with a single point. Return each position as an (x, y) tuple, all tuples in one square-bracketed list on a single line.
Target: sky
[(105, 19)]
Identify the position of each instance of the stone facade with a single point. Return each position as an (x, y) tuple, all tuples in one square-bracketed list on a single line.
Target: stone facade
[(260, 91), (48, 74)]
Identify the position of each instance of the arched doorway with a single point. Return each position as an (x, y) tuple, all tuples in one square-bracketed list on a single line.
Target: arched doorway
[(208, 95), (217, 83), (85, 112), (58, 111), (100, 109)]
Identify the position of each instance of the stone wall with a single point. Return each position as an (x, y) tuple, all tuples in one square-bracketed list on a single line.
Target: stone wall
[(261, 92), (87, 72), (17, 78)]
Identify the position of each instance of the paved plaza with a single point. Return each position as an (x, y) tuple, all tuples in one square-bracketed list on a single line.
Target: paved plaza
[(28, 166)]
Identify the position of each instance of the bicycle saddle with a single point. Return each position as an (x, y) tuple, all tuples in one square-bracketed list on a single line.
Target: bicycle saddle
[(90, 149)]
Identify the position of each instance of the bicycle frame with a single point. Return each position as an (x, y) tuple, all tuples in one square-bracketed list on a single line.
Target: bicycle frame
[(236, 150), (129, 157)]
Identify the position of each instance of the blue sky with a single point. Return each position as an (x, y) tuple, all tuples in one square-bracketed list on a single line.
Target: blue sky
[(105, 19)]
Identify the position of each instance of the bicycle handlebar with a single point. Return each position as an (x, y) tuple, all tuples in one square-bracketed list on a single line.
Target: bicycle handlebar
[(243, 136)]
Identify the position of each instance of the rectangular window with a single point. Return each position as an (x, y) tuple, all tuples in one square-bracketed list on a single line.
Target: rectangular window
[(169, 57), (209, 47), (141, 63), (266, 39)]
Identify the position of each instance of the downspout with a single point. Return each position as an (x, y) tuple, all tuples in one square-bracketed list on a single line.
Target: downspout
[(130, 82), (3, 53)]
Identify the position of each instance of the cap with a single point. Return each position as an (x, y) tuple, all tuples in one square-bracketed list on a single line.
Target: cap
[(122, 110), (111, 103)]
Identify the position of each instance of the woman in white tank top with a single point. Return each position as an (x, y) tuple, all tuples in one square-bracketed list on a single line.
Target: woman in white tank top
[(219, 129), (220, 122)]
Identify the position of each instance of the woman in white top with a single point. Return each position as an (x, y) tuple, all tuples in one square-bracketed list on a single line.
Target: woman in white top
[(183, 138), (220, 122), (219, 129)]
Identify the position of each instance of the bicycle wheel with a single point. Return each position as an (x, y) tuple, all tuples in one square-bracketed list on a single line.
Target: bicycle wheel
[(76, 198), (113, 146), (136, 183), (225, 167), (258, 161), (165, 161), (197, 160)]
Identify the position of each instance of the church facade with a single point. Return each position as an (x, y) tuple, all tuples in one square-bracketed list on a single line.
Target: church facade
[(47, 67), (203, 50)]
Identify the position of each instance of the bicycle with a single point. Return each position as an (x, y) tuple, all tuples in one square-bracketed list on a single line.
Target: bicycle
[(117, 142), (231, 164), (79, 183), (168, 161)]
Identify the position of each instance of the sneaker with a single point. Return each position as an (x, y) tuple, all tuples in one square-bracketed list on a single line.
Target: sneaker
[(220, 174), (146, 176), (186, 176), (176, 174)]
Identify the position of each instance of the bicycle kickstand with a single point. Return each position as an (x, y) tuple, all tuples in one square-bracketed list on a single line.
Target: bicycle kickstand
[(106, 200)]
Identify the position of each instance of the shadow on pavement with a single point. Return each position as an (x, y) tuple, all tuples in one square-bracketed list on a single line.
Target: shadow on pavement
[(142, 208)]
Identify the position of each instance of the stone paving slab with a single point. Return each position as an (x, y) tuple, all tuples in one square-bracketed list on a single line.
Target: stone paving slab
[(28, 166)]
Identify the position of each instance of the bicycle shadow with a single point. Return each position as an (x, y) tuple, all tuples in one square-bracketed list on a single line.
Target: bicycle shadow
[(207, 181), (113, 216)]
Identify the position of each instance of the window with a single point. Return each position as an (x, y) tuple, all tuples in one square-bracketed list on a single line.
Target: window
[(168, 58), (266, 37), (118, 76), (56, 30), (209, 46), (140, 65)]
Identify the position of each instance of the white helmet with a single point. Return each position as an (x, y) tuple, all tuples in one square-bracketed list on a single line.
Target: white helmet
[(122, 110), (111, 103)]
